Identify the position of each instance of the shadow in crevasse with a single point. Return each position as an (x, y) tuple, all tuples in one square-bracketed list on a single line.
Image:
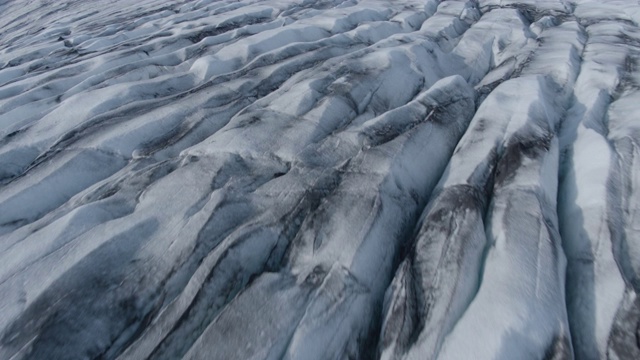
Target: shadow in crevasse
[(580, 272), (624, 337)]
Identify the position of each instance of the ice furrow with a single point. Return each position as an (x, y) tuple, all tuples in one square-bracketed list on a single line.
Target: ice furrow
[(446, 240), (590, 230)]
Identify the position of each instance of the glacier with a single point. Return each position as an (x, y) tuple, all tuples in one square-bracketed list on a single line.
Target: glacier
[(319, 179)]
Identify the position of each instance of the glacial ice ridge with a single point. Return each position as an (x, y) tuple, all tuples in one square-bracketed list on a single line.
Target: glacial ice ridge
[(319, 179)]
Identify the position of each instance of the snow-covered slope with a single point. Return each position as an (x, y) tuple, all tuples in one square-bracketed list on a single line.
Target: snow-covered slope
[(319, 179)]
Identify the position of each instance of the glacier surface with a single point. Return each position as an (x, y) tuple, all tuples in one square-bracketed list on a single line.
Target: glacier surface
[(319, 179)]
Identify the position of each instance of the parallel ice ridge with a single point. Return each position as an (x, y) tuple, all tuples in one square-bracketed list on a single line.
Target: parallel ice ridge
[(319, 179)]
